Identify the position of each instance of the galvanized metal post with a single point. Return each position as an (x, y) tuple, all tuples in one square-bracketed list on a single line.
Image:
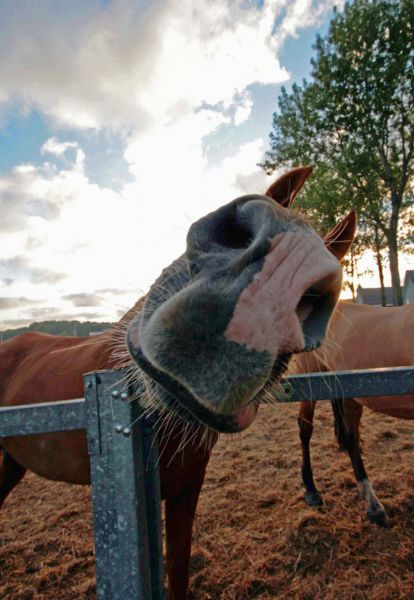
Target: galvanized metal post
[(153, 503), (99, 432), (121, 522)]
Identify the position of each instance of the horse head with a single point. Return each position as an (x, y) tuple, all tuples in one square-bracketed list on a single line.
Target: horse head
[(255, 285)]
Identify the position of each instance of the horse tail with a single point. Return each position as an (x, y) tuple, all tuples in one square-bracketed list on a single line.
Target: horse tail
[(340, 426)]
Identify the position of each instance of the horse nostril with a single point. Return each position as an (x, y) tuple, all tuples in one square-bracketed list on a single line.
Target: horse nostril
[(314, 311), (233, 234), (308, 303)]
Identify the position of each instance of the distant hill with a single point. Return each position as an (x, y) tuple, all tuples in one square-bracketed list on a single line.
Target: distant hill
[(74, 328)]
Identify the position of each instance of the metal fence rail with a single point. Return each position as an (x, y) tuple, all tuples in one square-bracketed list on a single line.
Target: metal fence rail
[(44, 417), (336, 385), (124, 464)]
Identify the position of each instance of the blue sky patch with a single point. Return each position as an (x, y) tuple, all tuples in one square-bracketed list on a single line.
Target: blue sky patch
[(23, 135), (295, 56)]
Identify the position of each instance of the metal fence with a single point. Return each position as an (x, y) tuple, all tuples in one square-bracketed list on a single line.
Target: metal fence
[(124, 464), (125, 483)]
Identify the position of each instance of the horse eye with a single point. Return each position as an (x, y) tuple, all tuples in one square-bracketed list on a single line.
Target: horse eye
[(233, 234)]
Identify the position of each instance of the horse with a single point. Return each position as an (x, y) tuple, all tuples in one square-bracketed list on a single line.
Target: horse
[(359, 337), (214, 333)]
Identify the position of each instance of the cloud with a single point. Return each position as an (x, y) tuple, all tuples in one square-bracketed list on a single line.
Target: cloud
[(83, 299), (165, 75), (243, 109), (11, 302), (14, 323), (101, 237), (29, 192), (53, 146), (133, 64), (19, 268), (60, 149), (301, 14), (112, 291)]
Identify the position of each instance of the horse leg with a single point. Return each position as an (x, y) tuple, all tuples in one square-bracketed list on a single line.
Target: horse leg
[(350, 412), (305, 422), (179, 518), (11, 473)]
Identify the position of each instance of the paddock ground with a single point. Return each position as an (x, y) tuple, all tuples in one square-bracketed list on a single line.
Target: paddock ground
[(254, 536)]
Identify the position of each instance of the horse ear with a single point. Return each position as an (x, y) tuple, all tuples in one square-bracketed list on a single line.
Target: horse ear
[(339, 240), (285, 189)]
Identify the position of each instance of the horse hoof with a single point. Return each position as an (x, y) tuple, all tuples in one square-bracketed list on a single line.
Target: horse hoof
[(380, 518), (313, 498)]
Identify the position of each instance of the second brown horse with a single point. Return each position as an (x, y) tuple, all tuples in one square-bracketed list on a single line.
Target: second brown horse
[(359, 337)]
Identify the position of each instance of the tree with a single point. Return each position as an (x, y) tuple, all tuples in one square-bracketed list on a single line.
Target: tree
[(59, 328), (355, 122)]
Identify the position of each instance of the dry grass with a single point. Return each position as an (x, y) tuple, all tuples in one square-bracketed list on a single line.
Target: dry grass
[(254, 536)]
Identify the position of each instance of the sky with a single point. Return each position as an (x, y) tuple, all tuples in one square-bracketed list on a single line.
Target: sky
[(122, 122)]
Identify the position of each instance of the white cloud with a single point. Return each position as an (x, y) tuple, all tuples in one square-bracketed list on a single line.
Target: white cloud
[(100, 238), (165, 74), (243, 109), (300, 14), (137, 65), (59, 149), (53, 146), (28, 193)]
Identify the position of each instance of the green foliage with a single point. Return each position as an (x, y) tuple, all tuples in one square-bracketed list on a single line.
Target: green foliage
[(355, 122), (71, 328)]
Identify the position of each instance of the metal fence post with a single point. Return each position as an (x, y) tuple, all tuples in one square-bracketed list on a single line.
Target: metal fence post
[(116, 441), (153, 503)]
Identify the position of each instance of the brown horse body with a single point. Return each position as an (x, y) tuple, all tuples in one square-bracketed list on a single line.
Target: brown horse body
[(359, 337), (200, 343), (36, 367)]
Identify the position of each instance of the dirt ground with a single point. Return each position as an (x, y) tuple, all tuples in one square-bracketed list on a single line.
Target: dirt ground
[(254, 536)]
